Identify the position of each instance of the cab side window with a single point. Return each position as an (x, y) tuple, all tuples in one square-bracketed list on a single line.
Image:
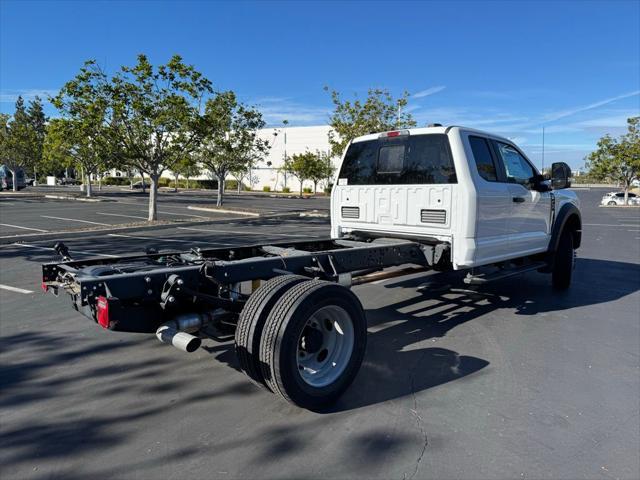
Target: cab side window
[(484, 159), (517, 168)]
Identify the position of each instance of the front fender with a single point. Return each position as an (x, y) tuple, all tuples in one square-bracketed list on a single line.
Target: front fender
[(567, 217)]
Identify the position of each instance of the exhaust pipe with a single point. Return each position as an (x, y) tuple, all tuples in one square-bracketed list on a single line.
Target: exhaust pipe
[(184, 341), (174, 332)]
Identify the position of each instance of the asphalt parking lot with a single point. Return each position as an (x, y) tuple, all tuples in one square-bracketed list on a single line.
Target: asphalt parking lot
[(20, 214), (511, 381)]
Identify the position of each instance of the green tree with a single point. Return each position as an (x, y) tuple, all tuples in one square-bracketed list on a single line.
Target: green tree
[(229, 138), (83, 133), (155, 113), (618, 160), (302, 166), (5, 146), (186, 167), (19, 140), (322, 169), (379, 112), (81, 141), (55, 155), (38, 121)]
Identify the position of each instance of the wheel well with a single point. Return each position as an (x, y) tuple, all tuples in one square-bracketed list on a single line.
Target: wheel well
[(574, 225)]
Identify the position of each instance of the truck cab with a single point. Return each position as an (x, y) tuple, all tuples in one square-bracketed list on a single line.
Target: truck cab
[(476, 191)]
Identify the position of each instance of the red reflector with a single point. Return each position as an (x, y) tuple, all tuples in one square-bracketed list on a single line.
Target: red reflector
[(45, 287), (393, 134), (102, 310)]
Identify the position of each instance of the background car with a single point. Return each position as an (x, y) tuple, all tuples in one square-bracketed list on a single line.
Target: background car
[(617, 198), (68, 181), (138, 184)]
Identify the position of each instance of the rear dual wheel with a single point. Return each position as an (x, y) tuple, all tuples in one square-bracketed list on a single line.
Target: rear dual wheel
[(252, 319), (312, 343)]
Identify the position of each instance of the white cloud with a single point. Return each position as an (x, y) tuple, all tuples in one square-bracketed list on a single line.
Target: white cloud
[(276, 109), (428, 91), (572, 111), (10, 96)]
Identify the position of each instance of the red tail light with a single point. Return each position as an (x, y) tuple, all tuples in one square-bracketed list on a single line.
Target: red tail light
[(395, 133), (102, 311), (45, 287)]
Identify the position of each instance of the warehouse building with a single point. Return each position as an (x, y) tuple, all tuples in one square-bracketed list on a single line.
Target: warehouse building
[(284, 141)]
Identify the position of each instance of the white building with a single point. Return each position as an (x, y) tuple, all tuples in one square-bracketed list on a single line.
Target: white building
[(288, 141), (284, 141)]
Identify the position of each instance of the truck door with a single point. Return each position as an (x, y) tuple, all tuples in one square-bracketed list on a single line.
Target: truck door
[(529, 221), (493, 204)]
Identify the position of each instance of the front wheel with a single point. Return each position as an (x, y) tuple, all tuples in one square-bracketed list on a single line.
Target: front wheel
[(564, 262), (612, 203), (313, 343)]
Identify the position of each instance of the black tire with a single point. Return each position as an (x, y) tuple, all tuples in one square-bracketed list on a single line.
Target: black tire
[(564, 262), (612, 203), (281, 340), (251, 322)]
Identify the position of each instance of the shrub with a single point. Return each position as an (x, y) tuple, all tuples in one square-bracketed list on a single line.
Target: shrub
[(115, 181), (286, 190), (266, 188), (307, 190)]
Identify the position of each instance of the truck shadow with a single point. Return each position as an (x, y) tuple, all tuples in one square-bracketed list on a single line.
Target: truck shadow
[(398, 363)]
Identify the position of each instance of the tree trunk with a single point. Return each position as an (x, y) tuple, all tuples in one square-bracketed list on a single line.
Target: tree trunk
[(99, 182), (153, 197), (175, 188), (144, 188), (315, 187), (626, 194), (88, 180), (239, 185), (220, 190), (13, 180), (187, 182), (301, 184)]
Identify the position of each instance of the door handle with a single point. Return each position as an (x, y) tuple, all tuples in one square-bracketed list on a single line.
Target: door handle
[(518, 199)]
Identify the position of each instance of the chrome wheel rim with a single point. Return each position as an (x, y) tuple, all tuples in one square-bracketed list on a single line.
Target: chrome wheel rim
[(325, 346)]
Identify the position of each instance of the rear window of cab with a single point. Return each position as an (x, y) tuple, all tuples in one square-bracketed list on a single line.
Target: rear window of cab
[(402, 160)]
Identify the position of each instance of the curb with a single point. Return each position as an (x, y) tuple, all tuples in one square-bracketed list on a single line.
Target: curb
[(78, 199), (224, 210)]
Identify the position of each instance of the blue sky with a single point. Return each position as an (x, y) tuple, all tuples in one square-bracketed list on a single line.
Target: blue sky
[(507, 67)]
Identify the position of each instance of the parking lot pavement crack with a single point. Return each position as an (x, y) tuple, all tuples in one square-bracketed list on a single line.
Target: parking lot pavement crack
[(419, 422)]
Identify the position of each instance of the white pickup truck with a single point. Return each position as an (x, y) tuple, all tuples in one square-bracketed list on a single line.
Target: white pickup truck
[(474, 191), (420, 199)]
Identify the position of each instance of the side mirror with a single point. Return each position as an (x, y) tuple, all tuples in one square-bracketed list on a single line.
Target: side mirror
[(560, 175), (539, 183)]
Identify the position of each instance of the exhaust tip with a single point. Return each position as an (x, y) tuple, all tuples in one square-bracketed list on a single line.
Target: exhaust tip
[(193, 345)]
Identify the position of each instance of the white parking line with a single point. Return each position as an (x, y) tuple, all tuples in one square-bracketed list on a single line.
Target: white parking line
[(168, 239), (15, 289), (120, 215), (182, 214), (75, 220), (148, 238), (81, 252), (238, 232), (24, 228), (607, 225)]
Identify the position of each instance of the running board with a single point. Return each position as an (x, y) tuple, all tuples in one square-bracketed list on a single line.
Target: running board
[(482, 278)]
